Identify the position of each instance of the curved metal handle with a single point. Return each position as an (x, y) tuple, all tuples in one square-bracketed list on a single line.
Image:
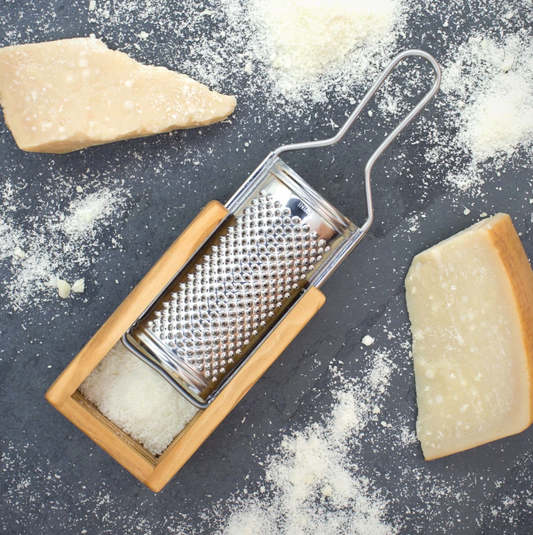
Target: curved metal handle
[(387, 141)]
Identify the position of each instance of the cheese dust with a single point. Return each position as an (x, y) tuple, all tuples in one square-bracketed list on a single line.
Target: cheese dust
[(314, 482), (58, 239)]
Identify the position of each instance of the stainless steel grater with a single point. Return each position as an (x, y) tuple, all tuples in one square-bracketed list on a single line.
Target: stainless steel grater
[(280, 238)]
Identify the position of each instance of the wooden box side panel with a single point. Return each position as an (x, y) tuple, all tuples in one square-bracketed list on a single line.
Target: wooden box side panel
[(197, 431), (131, 455), (122, 435)]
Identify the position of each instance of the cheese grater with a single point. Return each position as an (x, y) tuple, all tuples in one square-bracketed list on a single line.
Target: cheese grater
[(280, 238)]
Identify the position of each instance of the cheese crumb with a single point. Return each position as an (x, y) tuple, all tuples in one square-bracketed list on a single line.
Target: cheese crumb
[(327, 490), (19, 253), (368, 340), (63, 288), (79, 286), (508, 63)]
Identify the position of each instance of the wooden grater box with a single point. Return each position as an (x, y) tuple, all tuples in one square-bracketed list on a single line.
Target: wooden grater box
[(155, 472)]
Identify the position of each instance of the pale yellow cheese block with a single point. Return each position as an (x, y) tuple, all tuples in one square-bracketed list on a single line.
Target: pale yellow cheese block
[(470, 301), (66, 95)]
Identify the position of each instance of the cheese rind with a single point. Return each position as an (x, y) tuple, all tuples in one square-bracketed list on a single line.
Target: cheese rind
[(470, 301), (66, 95)]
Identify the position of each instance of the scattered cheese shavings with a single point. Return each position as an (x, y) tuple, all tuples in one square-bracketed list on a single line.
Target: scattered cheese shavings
[(312, 484), (490, 81), (501, 118), (306, 36), (58, 241), (85, 212)]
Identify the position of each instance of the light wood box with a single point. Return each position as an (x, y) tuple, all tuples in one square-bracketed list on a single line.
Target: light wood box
[(155, 472)]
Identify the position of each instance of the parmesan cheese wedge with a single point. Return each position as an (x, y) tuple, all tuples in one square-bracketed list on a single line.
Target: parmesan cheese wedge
[(470, 301), (66, 95)]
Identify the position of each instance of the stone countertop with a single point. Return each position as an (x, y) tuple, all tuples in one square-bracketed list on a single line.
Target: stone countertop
[(56, 480)]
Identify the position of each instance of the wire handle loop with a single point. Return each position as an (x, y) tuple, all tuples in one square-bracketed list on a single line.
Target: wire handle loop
[(388, 140)]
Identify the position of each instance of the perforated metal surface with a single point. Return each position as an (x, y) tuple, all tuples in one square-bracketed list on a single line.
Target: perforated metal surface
[(234, 294), (246, 277)]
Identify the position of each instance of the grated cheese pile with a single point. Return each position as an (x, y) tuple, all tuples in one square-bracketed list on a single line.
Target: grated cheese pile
[(137, 399), (312, 484), (492, 85), (307, 36), (486, 122)]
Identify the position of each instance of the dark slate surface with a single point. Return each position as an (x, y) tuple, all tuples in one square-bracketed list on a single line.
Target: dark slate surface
[(55, 480)]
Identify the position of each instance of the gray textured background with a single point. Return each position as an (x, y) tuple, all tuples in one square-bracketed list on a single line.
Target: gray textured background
[(55, 480)]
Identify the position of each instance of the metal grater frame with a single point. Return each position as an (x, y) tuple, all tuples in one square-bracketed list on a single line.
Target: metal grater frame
[(280, 238)]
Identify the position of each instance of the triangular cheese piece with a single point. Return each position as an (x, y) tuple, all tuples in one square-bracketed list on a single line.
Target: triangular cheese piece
[(66, 95)]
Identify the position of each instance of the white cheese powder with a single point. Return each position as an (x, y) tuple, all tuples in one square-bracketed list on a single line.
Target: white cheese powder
[(306, 36), (491, 83), (137, 399), (312, 483), (58, 242)]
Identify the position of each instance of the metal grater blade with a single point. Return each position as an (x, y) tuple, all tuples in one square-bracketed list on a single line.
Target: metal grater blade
[(233, 295), (245, 279)]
